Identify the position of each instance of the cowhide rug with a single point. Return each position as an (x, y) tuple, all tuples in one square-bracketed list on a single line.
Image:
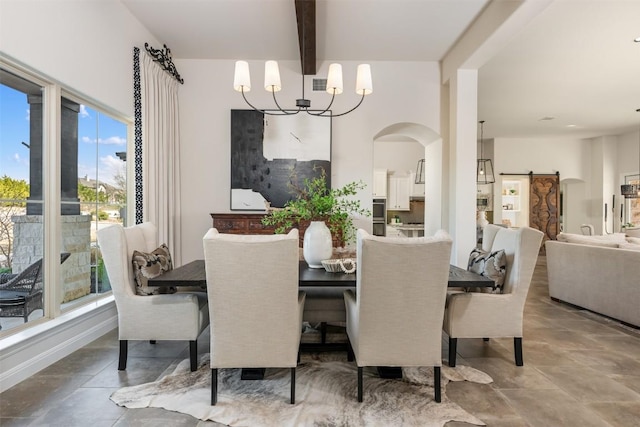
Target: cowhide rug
[(325, 396)]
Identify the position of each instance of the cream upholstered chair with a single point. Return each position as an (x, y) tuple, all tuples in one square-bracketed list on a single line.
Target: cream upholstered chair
[(485, 315), (171, 317), (395, 316), (254, 302)]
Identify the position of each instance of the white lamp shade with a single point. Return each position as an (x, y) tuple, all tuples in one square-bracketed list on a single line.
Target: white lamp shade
[(272, 77), (334, 79), (364, 85), (242, 79)]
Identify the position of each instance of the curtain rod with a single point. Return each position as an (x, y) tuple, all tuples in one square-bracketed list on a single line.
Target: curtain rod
[(163, 57)]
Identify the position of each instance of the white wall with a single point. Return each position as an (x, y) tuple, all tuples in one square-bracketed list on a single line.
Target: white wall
[(590, 170), (403, 92), (86, 45), (399, 157)]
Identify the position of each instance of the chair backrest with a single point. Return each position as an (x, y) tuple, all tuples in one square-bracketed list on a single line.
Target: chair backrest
[(252, 285), (521, 246), (401, 289), (117, 244)]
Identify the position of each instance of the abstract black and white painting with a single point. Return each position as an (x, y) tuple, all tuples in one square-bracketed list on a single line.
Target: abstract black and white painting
[(270, 152)]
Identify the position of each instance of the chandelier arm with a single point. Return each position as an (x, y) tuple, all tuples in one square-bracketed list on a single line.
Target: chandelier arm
[(282, 113), (341, 114), (321, 113)]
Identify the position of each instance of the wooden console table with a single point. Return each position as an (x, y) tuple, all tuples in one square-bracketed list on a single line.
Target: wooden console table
[(248, 223)]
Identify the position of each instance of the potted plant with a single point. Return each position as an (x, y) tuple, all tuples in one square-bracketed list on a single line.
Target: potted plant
[(313, 201)]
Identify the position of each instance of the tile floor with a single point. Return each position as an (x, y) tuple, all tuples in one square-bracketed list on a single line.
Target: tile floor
[(580, 370)]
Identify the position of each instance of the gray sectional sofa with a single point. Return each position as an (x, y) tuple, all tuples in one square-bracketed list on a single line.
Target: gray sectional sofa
[(599, 273)]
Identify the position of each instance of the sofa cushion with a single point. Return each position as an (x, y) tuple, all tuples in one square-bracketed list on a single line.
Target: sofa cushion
[(633, 240), (489, 264), (149, 265), (629, 246), (580, 238), (608, 241)]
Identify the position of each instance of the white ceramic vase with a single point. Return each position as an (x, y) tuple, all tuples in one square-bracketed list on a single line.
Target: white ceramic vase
[(317, 244)]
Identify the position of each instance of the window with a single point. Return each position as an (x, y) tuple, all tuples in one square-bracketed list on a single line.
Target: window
[(89, 153)]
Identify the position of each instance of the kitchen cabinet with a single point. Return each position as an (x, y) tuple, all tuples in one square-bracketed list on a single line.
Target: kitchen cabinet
[(379, 183), (394, 232), (398, 195)]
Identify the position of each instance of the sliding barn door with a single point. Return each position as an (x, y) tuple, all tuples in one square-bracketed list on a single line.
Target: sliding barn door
[(544, 205)]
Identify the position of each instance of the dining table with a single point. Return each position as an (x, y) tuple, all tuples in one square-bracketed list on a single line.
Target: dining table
[(193, 274)]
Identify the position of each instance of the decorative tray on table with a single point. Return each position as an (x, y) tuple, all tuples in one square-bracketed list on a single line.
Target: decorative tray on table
[(342, 265)]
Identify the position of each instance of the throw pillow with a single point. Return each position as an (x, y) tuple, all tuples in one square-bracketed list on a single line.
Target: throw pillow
[(149, 265), (489, 264)]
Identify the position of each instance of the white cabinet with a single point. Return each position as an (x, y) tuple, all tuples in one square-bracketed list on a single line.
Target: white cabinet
[(394, 232), (398, 197), (379, 183)]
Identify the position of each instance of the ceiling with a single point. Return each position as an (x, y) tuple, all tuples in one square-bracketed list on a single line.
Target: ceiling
[(572, 71)]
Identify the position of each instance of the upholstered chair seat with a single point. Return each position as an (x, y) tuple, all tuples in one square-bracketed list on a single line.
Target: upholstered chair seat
[(170, 317), (489, 315)]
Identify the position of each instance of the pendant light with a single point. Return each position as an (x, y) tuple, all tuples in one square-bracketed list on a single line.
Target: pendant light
[(420, 172), (632, 191), (484, 170)]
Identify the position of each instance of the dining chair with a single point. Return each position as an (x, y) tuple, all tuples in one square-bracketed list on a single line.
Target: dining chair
[(170, 317), (489, 315), (395, 316), (254, 302)]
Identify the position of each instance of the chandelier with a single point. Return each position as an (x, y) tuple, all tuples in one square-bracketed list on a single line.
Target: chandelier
[(242, 83), (484, 170), (272, 83), (632, 191)]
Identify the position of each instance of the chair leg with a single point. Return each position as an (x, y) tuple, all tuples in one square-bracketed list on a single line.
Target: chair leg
[(350, 355), (360, 384), (436, 383), (453, 344), (214, 387), (193, 355), (122, 362), (517, 347), (323, 332), (293, 385)]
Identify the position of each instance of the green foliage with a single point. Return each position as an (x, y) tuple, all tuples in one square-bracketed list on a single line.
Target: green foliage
[(13, 189), (315, 202), (90, 195)]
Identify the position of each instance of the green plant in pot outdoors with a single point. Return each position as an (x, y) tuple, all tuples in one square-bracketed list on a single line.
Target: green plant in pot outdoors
[(314, 202)]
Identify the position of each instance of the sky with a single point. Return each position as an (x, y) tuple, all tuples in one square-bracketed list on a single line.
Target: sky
[(99, 138)]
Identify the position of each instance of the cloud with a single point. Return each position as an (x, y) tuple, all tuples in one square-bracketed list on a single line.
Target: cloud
[(110, 166), (83, 111), (19, 160), (112, 140), (28, 114)]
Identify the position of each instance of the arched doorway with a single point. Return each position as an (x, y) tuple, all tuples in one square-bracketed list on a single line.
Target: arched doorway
[(432, 152)]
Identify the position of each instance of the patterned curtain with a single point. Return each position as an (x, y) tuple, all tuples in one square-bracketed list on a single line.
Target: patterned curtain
[(157, 154)]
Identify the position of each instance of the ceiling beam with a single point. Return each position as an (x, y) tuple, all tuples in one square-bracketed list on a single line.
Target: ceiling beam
[(306, 19)]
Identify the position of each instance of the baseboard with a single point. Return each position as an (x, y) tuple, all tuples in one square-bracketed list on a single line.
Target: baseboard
[(31, 351)]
